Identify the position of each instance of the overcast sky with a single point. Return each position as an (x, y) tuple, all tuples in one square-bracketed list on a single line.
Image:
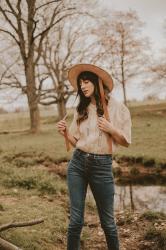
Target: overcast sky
[(152, 12)]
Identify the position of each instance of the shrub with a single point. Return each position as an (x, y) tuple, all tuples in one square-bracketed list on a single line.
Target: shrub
[(33, 179), (139, 159), (28, 182), (148, 162), (126, 218), (117, 171), (150, 233), (134, 171), (158, 170), (151, 215), (1, 208), (24, 162), (156, 235)]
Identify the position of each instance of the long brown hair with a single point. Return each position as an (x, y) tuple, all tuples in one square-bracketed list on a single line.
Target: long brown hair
[(84, 101)]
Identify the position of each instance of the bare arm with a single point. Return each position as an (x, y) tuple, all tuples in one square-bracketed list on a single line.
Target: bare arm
[(118, 137), (72, 139), (62, 126), (107, 127)]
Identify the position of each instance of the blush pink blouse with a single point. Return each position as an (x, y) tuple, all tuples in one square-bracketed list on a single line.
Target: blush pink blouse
[(90, 138)]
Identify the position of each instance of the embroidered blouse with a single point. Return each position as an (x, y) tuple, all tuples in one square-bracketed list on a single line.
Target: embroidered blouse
[(90, 138)]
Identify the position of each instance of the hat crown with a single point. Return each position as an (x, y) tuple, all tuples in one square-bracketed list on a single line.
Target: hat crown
[(77, 69)]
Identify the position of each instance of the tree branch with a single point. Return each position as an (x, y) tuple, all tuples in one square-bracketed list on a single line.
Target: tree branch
[(11, 7), (8, 68), (7, 245), (47, 103), (52, 23), (20, 33), (8, 19), (9, 33), (20, 224), (46, 4)]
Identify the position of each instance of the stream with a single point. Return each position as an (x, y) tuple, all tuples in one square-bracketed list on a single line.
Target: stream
[(144, 198)]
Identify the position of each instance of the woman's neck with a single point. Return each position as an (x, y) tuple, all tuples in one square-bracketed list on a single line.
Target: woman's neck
[(93, 101)]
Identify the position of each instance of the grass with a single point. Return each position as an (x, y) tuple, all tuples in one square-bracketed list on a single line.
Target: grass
[(148, 142), (148, 136), (24, 205), (28, 193), (31, 178), (154, 232), (47, 143), (127, 218), (153, 216)]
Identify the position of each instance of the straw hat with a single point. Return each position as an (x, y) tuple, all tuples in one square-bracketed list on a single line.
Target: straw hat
[(78, 68)]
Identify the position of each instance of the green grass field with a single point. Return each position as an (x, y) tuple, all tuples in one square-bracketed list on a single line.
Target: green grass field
[(148, 135)]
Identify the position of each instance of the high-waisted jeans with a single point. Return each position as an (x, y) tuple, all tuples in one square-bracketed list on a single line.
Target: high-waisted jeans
[(95, 170)]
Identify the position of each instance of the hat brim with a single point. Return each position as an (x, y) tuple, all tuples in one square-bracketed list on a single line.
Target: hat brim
[(74, 72)]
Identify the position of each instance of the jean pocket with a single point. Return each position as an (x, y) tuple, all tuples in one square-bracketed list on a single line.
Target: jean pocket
[(104, 161)]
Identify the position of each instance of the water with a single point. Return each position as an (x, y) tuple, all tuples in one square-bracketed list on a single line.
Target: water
[(144, 197)]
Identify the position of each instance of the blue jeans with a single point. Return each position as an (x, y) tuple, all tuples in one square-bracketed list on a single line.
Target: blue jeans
[(95, 170)]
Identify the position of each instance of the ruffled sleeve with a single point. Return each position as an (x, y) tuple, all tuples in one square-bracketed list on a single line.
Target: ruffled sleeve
[(73, 128)]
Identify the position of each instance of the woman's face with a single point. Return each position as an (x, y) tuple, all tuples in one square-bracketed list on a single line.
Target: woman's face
[(87, 87)]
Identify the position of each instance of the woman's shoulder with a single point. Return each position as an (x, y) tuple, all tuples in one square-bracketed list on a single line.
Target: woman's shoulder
[(117, 106), (114, 103)]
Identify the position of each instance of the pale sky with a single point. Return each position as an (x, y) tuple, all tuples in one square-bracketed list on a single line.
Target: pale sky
[(152, 12)]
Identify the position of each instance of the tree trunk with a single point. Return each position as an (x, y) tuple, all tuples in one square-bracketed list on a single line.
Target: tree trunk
[(122, 68), (131, 197), (123, 83), (61, 105), (124, 92), (34, 114), (32, 97)]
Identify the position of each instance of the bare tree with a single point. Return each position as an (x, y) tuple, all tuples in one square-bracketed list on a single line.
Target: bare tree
[(157, 79), (57, 57), (157, 70), (52, 56), (126, 51), (22, 22)]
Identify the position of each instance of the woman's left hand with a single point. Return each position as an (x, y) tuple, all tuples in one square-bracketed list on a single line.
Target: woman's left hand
[(105, 125)]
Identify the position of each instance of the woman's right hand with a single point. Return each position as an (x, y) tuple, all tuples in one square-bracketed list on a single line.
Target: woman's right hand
[(62, 126)]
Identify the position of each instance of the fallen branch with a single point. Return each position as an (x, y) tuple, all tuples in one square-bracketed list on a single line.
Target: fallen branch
[(20, 224), (5, 245)]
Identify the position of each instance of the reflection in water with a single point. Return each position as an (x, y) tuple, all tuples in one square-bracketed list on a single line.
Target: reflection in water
[(143, 197), (138, 197)]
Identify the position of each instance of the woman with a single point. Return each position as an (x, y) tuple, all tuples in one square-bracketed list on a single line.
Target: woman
[(91, 162)]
